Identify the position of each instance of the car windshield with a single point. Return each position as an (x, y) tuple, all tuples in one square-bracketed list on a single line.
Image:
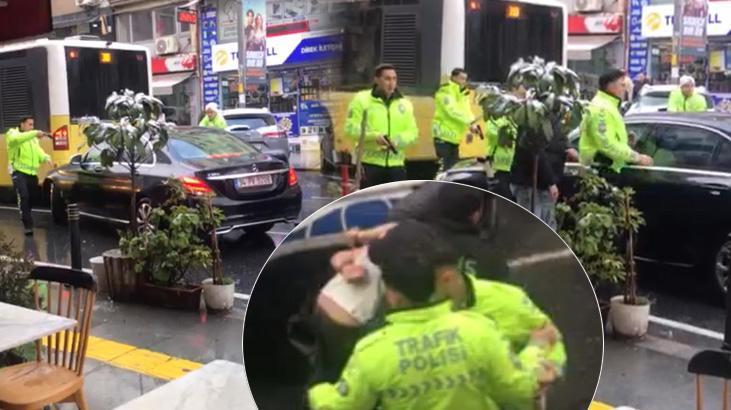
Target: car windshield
[(196, 144), (654, 99), (253, 121)]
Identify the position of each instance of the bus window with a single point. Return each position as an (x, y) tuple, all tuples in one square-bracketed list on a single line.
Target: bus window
[(497, 34), (93, 74)]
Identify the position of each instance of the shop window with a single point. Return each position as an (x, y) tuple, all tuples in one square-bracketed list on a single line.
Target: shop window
[(165, 22), (123, 32), (141, 26)]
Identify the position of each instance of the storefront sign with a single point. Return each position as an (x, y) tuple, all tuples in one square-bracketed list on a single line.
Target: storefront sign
[(187, 16), (595, 24), (314, 118), (180, 62), (717, 61), (209, 28), (638, 44), (300, 48), (287, 121), (657, 21)]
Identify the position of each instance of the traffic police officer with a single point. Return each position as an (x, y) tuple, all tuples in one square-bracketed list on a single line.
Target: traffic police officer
[(426, 356), (604, 139), (390, 129), (25, 157), (453, 118), (685, 98), (213, 118)]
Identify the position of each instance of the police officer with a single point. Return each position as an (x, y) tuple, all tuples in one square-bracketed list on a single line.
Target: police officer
[(685, 98), (453, 118), (390, 129), (604, 139), (213, 118), (501, 139), (427, 356), (25, 157)]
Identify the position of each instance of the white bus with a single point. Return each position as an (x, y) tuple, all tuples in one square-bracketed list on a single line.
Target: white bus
[(58, 82)]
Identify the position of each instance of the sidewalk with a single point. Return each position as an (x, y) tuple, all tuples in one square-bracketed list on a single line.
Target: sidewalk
[(651, 374), (135, 348)]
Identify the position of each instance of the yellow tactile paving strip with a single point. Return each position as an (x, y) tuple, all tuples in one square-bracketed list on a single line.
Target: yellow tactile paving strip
[(162, 366), (138, 360)]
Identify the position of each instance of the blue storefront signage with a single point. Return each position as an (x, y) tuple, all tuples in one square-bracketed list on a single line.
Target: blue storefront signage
[(288, 122), (316, 49), (638, 45), (209, 36), (314, 118)]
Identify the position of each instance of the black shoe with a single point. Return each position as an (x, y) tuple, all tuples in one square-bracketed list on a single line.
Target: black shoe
[(29, 232)]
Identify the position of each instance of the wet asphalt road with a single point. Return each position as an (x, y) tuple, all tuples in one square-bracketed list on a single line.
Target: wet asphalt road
[(243, 255), (677, 294)]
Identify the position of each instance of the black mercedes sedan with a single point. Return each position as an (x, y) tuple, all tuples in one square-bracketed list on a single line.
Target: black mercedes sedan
[(254, 189), (685, 196)]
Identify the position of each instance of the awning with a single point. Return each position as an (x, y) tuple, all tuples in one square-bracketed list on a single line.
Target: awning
[(580, 47), (163, 84)]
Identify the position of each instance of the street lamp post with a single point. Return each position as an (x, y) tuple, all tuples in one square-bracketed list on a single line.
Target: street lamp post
[(242, 54)]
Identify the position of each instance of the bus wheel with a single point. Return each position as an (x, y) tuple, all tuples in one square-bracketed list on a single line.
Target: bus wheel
[(58, 205)]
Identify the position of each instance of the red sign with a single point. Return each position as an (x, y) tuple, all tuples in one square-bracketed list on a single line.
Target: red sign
[(186, 16), (595, 24), (61, 139), (179, 62)]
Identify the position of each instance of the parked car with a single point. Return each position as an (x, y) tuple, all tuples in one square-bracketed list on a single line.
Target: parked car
[(654, 98), (258, 127), (685, 196), (254, 190)]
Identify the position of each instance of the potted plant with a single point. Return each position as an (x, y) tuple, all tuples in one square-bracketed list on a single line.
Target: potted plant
[(173, 246), (551, 104), (133, 131), (218, 291), (15, 289), (599, 224)]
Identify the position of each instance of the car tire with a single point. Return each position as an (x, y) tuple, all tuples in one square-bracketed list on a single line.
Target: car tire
[(57, 204), (143, 214), (258, 229), (719, 268)]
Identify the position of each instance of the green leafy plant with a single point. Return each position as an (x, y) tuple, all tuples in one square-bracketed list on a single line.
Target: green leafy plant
[(15, 289), (600, 224), (552, 103), (132, 134), (175, 243)]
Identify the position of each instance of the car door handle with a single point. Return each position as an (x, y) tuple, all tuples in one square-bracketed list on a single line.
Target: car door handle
[(98, 169)]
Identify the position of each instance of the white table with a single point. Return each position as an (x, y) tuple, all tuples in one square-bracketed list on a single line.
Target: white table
[(19, 325), (218, 385)]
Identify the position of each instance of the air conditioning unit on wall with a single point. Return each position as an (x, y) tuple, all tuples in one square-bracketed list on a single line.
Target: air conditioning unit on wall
[(166, 45), (88, 3), (587, 6)]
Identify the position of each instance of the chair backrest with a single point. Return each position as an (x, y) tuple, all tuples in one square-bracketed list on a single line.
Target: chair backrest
[(68, 293)]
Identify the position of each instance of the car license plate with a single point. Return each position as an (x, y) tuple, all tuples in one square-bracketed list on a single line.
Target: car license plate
[(253, 181)]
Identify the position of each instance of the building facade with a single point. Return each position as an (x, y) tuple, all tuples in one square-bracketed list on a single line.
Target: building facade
[(169, 30), (72, 20)]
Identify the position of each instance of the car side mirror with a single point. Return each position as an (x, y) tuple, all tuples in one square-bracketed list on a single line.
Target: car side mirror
[(75, 160)]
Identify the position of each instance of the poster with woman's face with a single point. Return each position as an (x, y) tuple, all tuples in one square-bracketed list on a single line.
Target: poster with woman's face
[(695, 8)]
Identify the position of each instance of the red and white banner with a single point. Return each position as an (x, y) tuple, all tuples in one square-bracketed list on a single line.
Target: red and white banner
[(176, 63), (595, 24)]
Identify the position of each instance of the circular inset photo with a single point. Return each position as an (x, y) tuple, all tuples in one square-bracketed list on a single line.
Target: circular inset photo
[(423, 295)]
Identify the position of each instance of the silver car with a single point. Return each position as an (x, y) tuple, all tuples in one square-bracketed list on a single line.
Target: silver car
[(258, 127), (654, 98)]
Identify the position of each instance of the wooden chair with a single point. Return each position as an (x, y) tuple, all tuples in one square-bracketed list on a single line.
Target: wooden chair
[(59, 377), (713, 363)]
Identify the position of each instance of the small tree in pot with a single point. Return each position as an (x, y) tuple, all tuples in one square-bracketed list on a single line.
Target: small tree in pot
[(551, 104), (218, 291), (600, 223), (132, 132), (135, 131)]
